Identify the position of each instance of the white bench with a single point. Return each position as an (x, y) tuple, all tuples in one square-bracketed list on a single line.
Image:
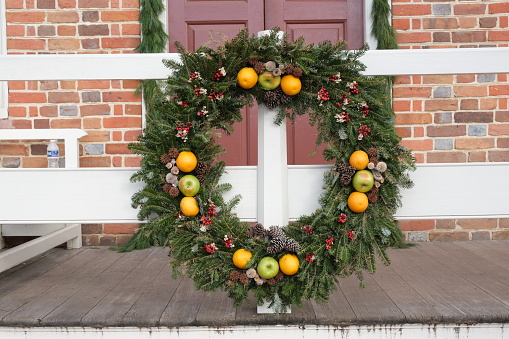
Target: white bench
[(15, 206)]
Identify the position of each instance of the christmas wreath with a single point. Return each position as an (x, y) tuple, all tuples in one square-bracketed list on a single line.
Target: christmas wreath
[(182, 201)]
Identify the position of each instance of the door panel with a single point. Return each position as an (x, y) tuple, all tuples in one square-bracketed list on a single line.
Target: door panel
[(193, 22)]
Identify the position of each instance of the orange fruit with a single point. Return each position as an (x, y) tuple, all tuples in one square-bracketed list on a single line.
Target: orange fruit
[(357, 202), (241, 257), (359, 160), (247, 77), (290, 84), (189, 206), (186, 161), (289, 264)]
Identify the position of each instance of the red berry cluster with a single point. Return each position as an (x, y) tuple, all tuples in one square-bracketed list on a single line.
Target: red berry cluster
[(323, 94), (342, 218), (307, 229), (183, 103), (212, 211), (216, 95), (310, 257), (329, 242), (344, 100), (195, 76), (364, 130), (351, 235), (183, 130), (205, 221), (364, 108), (228, 241), (354, 87), (334, 78), (210, 247)]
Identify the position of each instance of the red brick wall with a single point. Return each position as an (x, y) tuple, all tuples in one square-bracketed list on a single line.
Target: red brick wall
[(453, 118), (108, 110)]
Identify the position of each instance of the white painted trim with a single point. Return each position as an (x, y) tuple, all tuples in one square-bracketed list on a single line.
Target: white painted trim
[(368, 23), (150, 66), (375, 331), (4, 93)]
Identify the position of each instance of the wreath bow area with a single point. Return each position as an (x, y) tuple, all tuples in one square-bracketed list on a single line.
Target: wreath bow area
[(182, 200)]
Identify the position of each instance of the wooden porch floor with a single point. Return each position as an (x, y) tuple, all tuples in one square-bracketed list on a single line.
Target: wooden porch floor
[(458, 282)]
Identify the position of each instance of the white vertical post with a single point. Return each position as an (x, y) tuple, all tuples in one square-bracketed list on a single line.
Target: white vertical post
[(272, 170), (272, 167)]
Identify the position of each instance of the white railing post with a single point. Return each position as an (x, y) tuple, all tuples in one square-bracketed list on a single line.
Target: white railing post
[(272, 204)]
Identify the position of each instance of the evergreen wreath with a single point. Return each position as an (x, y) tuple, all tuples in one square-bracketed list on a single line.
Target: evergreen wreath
[(201, 96)]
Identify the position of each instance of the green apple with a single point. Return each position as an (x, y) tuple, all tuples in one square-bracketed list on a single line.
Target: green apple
[(363, 180), (268, 81), (189, 185), (267, 267)]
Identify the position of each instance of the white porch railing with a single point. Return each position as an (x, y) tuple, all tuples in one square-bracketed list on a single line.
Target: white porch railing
[(393, 62)]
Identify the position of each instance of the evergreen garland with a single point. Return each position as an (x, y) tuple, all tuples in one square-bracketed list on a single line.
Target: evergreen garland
[(201, 96)]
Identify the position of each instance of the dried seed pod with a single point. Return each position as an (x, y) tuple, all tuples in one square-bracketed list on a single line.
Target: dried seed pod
[(169, 165), (172, 179), (175, 170), (381, 166), (251, 273)]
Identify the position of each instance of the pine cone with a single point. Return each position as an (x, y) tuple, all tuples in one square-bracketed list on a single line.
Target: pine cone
[(259, 231), (271, 99), (167, 188), (283, 98), (279, 276), (201, 178), (202, 168), (259, 67), (372, 152), (276, 246), (372, 197), (235, 275), (293, 70), (244, 280), (292, 245), (345, 179), (271, 282), (173, 153), (373, 160), (174, 191), (276, 232), (165, 158)]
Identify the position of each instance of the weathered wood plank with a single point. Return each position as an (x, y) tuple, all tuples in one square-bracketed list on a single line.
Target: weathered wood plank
[(36, 266), (491, 252), (476, 304), (414, 307), (216, 309), (149, 307), (184, 306), (336, 311), (113, 307), (478, 271), (73, 311), (33, 312), (426, 285), (22, 295), (370, 304)]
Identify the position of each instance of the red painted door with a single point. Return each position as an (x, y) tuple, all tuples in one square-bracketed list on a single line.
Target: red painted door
[(192, 21)]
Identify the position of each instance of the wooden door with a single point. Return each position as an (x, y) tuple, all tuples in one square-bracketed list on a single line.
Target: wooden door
[(191, 21)]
